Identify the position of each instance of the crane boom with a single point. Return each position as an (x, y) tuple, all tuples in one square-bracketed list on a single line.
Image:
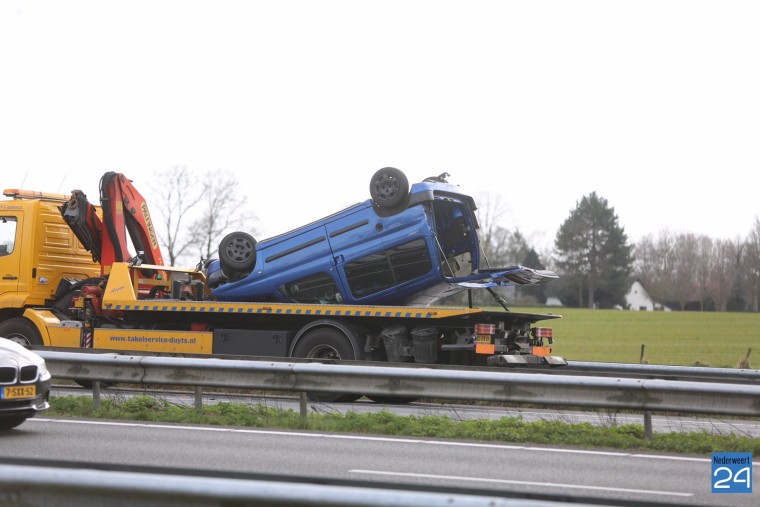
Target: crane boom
[(125, 212)]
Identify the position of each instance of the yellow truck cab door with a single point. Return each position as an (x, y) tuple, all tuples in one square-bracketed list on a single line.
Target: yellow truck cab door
[(10, 256)]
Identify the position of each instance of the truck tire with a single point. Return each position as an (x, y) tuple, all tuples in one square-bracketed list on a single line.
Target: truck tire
[(21, 331), (237, 253), (388, 187), (326, 343)]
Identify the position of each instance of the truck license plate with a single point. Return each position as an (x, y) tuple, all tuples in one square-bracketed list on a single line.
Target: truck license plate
[(19, 392)]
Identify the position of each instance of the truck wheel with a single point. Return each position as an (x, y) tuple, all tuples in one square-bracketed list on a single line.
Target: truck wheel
[(388, 187), (21, 331), (237, 253), (8, 422), (326, 343)]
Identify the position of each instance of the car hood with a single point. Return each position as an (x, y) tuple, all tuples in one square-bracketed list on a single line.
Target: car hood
[(13, 353), (502, 277)]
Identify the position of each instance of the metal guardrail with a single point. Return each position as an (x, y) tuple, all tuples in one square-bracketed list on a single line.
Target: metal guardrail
[(478, 385), (686, 373), (40, 486)]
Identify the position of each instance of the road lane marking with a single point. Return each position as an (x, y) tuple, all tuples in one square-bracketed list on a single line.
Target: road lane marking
[(506, 447), (521, 483)]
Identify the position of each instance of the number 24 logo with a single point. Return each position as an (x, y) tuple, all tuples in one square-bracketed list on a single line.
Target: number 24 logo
[(721, 484)]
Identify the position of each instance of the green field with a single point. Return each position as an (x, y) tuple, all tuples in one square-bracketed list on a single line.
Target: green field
[(670, 338)]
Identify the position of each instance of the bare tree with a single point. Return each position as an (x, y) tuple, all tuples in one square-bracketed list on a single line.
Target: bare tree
[(224, 210), (726, 258), (493, 237), (654, 265), (178, 195), (196, 212), (751, 266), (500, 245), (703, 268), (684, 269)]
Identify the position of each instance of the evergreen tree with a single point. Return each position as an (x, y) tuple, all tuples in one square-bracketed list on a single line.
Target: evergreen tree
[(594, 254)]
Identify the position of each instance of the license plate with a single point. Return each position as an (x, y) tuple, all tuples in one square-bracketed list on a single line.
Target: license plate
[(482, 338), (19, 392)]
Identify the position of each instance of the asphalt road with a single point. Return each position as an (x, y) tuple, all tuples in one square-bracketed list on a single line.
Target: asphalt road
[(645, 477)]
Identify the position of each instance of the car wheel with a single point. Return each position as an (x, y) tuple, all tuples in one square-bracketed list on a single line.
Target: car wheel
[(326, 343), (388, 187), (237, 253), (8, 422), (21, 331)]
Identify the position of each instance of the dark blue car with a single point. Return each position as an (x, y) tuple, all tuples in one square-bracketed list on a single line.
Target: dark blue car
[(404, 246)]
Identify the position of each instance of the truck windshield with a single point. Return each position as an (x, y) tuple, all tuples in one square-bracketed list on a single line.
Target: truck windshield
[(457, 241)]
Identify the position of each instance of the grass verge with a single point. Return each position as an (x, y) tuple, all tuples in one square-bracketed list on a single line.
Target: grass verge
[(718, 339), (508, 430)]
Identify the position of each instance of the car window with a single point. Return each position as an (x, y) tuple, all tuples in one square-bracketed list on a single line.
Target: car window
[(319, 288), (7, 235), (381, 270), (369, 274), (410, 260)]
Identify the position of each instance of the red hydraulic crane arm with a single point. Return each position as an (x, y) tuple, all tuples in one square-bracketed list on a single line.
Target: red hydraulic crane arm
[(126, 211)]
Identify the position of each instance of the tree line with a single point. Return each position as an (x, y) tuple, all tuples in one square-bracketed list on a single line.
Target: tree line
[(597, 264), (695, 272)]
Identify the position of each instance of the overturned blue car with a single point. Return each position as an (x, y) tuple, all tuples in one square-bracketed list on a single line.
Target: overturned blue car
[(406, 245)]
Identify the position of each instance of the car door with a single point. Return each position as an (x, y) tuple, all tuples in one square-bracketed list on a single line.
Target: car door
[(380, 258), (354, 233)]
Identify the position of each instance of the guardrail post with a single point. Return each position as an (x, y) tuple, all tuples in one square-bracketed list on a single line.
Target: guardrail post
[(303, 406), (198, 398), (96, 394), (647, 424)]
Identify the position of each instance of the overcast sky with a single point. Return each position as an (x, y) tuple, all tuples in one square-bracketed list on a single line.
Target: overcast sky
[(653, 105)]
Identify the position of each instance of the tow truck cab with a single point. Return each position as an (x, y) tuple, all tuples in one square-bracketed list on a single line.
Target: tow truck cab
[(37, 251)]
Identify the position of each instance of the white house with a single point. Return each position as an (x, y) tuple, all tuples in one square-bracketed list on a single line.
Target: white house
[(638, 299)]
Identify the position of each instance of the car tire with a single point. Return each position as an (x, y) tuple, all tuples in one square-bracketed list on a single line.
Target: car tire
[(389, 187), (8, 422), (21, 331), (330, 344), (237, 253)]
